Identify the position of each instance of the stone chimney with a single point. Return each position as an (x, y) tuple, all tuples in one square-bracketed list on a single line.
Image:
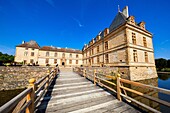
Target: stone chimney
[(23, 42), (126, 12)]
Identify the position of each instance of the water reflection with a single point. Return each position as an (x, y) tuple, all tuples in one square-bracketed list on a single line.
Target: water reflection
[(163, 81), (164, 76), (153, 93)]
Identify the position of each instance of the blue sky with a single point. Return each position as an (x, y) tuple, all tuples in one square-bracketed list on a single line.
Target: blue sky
[(72, 23)]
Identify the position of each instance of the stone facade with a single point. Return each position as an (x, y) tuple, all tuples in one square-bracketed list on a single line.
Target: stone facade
[(126, 45), (32, 53)]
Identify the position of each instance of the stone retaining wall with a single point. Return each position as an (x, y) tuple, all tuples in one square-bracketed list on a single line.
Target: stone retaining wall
[(18, 77)]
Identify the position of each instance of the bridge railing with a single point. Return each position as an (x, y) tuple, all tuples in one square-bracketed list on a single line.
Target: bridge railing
[(120, 90), (27, 100)]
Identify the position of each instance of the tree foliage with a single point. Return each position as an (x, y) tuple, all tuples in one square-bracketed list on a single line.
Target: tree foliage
[(168, 63), (5, 58)]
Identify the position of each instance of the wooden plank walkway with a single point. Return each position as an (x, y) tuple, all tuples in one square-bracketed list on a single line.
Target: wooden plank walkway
[(74, 94)]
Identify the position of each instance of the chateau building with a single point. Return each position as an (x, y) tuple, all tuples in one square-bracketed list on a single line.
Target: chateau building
[(125, 45), (32, 53)]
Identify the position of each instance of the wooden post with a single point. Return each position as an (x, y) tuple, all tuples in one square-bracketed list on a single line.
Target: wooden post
[(54, 72), (118, 88), (85, 73), (31, 96), (94, 75), (47, 84)]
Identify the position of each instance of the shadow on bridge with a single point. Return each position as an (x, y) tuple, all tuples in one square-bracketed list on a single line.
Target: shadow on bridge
[(42, 106)]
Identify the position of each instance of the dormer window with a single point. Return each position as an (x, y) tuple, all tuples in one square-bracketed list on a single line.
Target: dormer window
[(142, 25), (132, 19), (98, 37), (106, 31)]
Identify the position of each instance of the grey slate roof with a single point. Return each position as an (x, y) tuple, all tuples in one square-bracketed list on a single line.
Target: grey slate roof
[(118, 20)]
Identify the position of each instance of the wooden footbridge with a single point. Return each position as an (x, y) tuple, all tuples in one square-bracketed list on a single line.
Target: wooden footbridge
[(79, 92)]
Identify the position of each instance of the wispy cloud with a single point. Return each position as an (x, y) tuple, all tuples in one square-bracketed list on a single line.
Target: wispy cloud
[(78, 22), (8, 50), (164, 42), (50, 2)]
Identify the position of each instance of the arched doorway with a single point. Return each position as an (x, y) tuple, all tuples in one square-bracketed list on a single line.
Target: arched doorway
[(63, 63)]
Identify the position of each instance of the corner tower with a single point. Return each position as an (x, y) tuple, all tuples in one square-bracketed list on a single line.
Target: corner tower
[(126, 45)]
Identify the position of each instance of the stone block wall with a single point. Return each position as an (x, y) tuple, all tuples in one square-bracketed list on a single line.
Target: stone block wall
[(18, 77), (141, 73)]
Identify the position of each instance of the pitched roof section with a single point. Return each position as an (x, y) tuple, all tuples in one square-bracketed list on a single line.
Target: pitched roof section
[(118, 20), (51, 48), (30, 44)]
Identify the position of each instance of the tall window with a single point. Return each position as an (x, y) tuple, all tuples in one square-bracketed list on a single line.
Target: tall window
[(134, 38), (77, 62), (135, 57), (25, 53), (55, 61), (70, 61), (32, 53), (107, 58), (47, 54), (92, 51), (92, 60), (47, 61), (97, 49), (77, 55), (146, 57), (63, 55), (144, 42), (98, 60), (106, 45), (70, 55), (55, 54), (32, 48), (26, 48)]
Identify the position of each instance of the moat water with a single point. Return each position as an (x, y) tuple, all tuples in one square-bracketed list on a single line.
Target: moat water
[(163, 81)]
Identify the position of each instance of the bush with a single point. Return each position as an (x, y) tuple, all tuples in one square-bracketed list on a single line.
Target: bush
[(165, 69)]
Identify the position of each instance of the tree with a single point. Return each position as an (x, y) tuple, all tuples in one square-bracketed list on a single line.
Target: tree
[(5, 58), (168, 63), (161, 63)]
